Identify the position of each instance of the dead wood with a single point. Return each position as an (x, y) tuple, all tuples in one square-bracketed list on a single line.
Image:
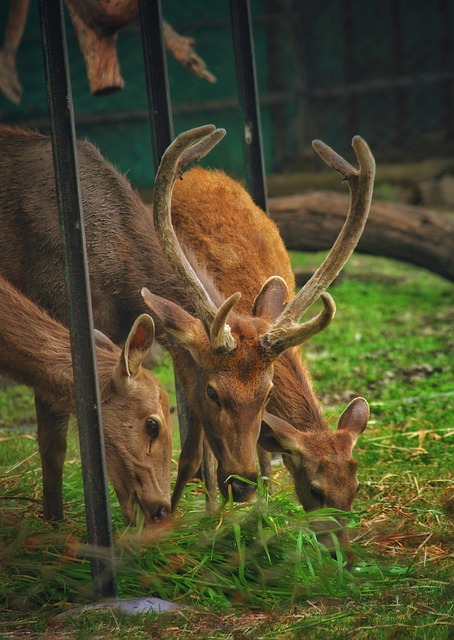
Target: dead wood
[(96, 23), (10, 85), (311, 222)]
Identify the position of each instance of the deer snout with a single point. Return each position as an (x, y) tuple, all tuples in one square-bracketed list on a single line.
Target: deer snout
[(326, 531), (162, 513), (156, 512), (242, 490)]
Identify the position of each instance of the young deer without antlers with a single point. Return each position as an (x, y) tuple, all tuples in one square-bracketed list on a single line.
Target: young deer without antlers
[(35, 350), (233, 267)]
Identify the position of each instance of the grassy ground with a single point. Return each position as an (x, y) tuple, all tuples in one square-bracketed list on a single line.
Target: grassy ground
[(256, 571)]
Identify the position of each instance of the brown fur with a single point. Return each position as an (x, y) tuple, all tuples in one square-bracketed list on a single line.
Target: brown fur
[(232, 246), (239, 247), (35, 350), (259, 253)]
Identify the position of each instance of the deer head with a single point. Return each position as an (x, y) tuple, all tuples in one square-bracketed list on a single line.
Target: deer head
[(320, 462), (227, 361), (138, 439)]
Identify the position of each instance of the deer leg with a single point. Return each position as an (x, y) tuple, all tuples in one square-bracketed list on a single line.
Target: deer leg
[(209, 476), (190, 459), (265, 466), (264, 462), (52, 431)]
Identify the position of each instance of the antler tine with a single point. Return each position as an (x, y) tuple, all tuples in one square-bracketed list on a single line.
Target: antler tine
[(186, 147), (172, 160), (218, 328), (360, 183), (284, 336), (200, 149)]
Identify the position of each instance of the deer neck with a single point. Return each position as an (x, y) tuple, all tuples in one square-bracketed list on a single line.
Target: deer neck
[(293, 398)]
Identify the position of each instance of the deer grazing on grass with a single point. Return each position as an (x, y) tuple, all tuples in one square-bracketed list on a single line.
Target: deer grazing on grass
[(35, 350), (258, 314), (221, 295)]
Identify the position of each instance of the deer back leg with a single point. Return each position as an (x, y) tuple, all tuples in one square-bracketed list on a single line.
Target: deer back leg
[(52, 432), (265, 466)]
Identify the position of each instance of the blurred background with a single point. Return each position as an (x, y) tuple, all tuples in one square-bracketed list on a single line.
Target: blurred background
[(328, 69)]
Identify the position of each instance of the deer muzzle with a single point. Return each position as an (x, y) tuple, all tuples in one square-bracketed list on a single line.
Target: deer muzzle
[(240, 488), (333, 535)]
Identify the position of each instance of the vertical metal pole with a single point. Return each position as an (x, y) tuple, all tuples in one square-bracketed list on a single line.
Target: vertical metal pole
[(80, 319), (156, 77), (445, 10), (306, 120), (247, 89), (351, 66), (161, 125)]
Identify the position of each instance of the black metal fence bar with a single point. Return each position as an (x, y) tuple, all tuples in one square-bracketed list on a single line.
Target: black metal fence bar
[(160, 111), (76, 273), (160, 115), (248, 95)]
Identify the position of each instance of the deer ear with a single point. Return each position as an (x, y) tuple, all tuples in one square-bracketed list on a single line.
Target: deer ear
[(271, 300), (186, 330), (278, 436), (354, 418), (137, 346)]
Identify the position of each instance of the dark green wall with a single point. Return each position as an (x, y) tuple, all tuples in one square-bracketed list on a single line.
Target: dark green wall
[(126, 141), (327, 69)]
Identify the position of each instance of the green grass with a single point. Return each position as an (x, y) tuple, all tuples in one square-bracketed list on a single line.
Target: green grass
[(256, 571)]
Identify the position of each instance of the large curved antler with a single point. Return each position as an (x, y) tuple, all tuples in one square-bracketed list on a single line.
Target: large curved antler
[(285, 332), (186, 148)]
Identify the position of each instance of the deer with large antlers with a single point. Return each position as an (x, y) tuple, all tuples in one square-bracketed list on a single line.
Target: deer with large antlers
[(250, 266), (220, 293), (35, 350)]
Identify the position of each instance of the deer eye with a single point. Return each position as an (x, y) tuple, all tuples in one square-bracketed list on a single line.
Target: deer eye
[(316, 492), (152, 427), (212, 394)]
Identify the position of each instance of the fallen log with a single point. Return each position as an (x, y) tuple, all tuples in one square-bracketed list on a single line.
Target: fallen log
[(311, 222)]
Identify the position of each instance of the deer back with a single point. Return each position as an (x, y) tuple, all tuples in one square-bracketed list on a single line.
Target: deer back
[(217, 221), (124, 254)]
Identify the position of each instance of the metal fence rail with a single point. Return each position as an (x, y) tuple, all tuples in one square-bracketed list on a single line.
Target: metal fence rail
[(71, 216), (61, 115)]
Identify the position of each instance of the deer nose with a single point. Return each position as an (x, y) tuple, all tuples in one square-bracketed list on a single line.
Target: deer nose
[(161, 513), (242, 491), (344, 543), (348, 554)]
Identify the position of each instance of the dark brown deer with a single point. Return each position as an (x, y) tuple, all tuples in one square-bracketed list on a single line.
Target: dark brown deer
[(35, 350), (227, 368)]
